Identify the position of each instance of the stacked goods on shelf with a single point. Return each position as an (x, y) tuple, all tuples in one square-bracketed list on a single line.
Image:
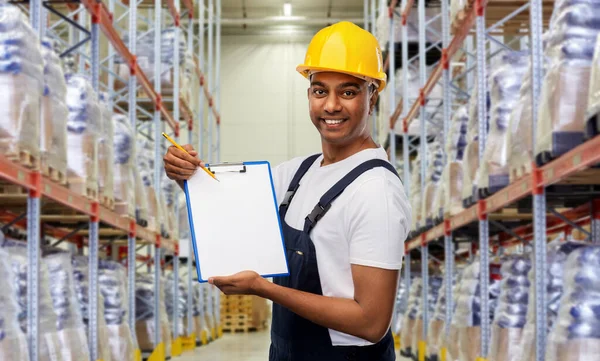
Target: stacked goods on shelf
[(13, 345), (112, 284), (83, 125), (124, 155), (556, 255), (505, 82), (450, 341), (576, 332), (144, 314), (53, 146), (81, 277), (453, 176), (593, 107), (145, 169), (202, 328), (209, 309), (437, 324), (382, 28), (415, 194), (69, 322), (401, 305), (431, 194), (189, 80), (22, 83), (471, 156), (180, 304), (563, 101), (50, 345), (198, 323), (466, 322), (406, 333), (106, 153), (511, 313), (435, 283), (141, 200)]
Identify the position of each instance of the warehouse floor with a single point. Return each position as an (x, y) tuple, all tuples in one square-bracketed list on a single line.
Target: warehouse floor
[(236, 347)]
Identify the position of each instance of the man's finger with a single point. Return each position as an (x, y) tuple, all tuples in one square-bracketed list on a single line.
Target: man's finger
[(178, 162), (181, 172), (184, 155)]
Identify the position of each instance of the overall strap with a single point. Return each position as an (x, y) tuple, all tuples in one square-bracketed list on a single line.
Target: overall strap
[(325, 202), (295, 183)]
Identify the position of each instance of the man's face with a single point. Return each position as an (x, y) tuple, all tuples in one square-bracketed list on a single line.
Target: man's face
[(339, 106)]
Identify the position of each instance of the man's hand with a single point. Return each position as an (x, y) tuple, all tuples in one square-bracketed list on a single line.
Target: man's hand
[(179, 165), (243, 283)]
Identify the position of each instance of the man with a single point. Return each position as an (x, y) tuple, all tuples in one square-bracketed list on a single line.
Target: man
[(344, 215)]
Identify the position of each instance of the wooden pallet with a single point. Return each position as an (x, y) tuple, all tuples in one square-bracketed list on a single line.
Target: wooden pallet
[(9, 188), (53, 174), (237, 323), (84, 187), (106, 201), (24, 158)]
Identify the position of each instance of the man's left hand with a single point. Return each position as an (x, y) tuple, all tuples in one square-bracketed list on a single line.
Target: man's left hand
[(242, 283)]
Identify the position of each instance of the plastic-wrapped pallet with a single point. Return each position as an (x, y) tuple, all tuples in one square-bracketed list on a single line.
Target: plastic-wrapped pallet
[(576, 332), (453, 172), (415, 194), (450, 341), (83, 125), (106, 151), (564, 95), (49, 346), (81, 280), (519, 147), (145, 167), (181, 304), (435, 283), (511, 313), (382, 31), (13, 344), (410, 317), (435, 167), (401, 305), (505, 81), (124, 179), (22, 83), (69, 323), (202, 325), (593, 107), (54, 110), (556, 255), (144, 313), (112, 284), (438, 322), (467, 318)]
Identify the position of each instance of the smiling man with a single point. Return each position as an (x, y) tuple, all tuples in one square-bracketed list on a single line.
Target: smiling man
[(344, 213)]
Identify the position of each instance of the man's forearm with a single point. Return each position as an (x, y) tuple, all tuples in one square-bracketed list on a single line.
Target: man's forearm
[(340, 314)]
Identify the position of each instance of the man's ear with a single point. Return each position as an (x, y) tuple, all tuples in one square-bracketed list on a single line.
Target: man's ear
[(373, 101)]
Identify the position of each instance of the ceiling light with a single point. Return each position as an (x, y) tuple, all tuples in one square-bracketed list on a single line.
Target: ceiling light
[(287, 9)]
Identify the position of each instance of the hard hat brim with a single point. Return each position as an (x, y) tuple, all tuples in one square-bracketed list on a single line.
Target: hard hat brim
[(305, 71)]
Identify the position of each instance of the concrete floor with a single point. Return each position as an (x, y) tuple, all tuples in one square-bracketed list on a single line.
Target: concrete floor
[(252, 346)]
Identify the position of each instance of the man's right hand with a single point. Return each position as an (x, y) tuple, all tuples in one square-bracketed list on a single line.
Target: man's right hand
[(180, 165)]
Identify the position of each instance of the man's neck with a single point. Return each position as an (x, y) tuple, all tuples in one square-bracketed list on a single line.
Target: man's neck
[(333, 153)]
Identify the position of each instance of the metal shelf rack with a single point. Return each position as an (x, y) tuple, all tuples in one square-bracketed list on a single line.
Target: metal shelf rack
[(482, 223), (47, 210)]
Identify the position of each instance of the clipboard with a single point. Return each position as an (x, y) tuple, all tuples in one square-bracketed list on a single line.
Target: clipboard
[(234, 223)]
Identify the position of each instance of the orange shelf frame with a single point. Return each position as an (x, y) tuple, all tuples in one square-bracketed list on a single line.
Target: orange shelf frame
[(576, 160)]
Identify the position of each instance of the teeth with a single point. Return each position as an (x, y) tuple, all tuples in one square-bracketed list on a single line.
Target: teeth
[(332, 122)]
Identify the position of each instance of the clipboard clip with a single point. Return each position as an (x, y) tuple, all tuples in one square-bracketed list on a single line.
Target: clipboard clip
[(227, 168)]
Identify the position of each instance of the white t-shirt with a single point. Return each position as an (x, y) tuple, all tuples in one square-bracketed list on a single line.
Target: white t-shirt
[(366, 225)]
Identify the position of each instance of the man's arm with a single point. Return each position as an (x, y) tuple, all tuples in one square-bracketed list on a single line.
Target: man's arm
[(367, 316)]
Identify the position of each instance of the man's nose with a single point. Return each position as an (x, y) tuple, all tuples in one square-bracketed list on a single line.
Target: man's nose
[(333, 104)]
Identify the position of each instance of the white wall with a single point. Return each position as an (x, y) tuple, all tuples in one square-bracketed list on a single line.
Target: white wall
[(264, 100)]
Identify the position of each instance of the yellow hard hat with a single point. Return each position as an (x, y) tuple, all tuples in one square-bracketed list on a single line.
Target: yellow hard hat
[(346, 48)]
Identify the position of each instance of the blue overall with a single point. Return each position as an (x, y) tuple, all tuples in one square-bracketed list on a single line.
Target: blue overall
[(294, 338)]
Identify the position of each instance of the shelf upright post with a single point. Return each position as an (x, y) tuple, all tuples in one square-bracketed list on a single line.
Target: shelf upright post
[(209, 75), (405, 137), (484, 246), (391, 88), (217, 90), (190, 284), (201, 17), (539, 192), (157, 154), (372, 30), (366, 15), (33, 229)]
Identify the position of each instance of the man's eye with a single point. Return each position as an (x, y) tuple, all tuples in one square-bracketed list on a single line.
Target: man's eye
[(349, 93), (318, 91)]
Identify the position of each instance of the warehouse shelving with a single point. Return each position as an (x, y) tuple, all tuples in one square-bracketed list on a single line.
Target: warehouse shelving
[(37, 204), (483, 222)]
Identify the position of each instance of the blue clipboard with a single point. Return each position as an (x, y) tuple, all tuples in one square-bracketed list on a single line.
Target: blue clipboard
[(234, 222)]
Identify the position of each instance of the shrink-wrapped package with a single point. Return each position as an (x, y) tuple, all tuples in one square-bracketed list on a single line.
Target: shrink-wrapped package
[(564, 96), (576, 332), (83, 125), (144, 311), (511, 313), (144, 168), (519, 147), (176, 308), (437, 321), (400, 309), (106, 149), (22, 84), (455, 148), (69, 321), (13, 344), (435, 167), (593, 106), (410, 318), (435, 282), (112, 284), (81, 279), (450, 341), (505, 82), (124, 179), (467, 317), (456, 7), (415, 194), (53, 142), (382, 32), (49, 342)]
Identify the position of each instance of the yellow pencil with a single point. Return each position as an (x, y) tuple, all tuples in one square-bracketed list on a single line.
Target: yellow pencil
[(181, 148)]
